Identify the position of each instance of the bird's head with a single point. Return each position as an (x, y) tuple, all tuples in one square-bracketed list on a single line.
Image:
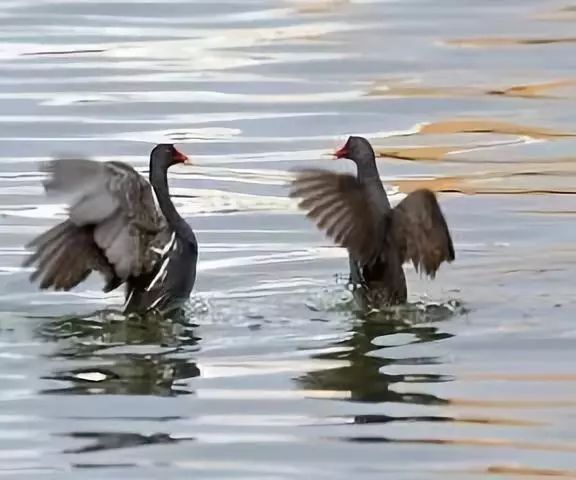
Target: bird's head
[(167, 154), (357, 149)]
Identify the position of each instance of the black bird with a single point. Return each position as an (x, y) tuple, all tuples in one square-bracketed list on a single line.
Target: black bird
[(356, 214), (118, 227)]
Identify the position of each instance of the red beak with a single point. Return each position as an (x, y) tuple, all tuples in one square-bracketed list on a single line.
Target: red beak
[(180, 157), (341, 153)]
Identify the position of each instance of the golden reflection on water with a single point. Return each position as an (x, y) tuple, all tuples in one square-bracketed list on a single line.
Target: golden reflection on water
[(418, 153), (495, 42), (559, 89), (496, 183), (388, 89), (490, 126), (540, 90), (512, 176), (523, 472)]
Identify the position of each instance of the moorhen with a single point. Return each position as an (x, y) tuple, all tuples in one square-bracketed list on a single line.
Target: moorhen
[(118, 227), (356, 214)]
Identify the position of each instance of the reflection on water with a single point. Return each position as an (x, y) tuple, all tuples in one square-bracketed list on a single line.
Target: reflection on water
[(104, 336), (559, 89), (508, 41), (274, 374), (110, 440), (363, 378)]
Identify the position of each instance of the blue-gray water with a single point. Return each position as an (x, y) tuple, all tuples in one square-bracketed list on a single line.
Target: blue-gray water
[(278, 378)]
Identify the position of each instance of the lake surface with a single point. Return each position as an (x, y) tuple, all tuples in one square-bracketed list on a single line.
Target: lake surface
[(276, 376)]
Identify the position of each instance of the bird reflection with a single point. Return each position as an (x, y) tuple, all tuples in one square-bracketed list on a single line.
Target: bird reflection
[(114, 440), (127, 355), (363, 378)]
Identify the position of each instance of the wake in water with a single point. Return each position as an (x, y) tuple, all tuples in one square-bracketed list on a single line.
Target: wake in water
[(418, 311)]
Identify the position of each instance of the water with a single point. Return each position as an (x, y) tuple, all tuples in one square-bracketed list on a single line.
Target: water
[(276, 376)]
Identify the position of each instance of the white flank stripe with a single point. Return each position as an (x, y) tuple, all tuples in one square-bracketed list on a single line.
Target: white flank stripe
[(157, 301), (160, 274), (129, 298), (167, 247)]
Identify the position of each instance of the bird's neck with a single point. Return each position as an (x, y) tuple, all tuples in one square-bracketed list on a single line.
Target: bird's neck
[(367, 174), (159, 181), (366, 168)]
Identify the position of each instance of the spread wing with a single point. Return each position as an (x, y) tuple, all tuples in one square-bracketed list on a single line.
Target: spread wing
[(346, 211), (339, 205), (113, 225), (420, 231)]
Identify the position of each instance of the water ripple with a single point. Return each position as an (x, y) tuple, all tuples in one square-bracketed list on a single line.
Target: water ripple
[(273, 373)]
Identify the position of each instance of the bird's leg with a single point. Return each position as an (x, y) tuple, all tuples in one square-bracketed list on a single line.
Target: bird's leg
[(355, 275)]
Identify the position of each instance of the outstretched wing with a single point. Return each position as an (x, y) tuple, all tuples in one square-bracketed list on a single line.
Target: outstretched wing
[(113, 225), (345, 210), (340, 206), (65, 255), (419, 229)]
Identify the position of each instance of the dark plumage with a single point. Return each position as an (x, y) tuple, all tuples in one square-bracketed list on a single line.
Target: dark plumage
[(356, 214), (118, 227)]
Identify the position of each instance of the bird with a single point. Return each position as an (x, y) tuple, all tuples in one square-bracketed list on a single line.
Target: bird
[(355, 212), (120, 225)]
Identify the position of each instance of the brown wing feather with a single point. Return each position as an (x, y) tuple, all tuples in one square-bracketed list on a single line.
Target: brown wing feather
[(338, 205), (65, 255), (112, 225), (420, 231)]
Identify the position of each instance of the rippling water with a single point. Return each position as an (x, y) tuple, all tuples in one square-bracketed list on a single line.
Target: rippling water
[(278, 377)]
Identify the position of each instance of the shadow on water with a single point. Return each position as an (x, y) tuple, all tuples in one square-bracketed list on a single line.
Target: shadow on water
[(128, 355)]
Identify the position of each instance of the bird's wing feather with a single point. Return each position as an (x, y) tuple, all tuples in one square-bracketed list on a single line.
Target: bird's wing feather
[(419, 229), (65, 255), (112, 218), (339, 205)]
